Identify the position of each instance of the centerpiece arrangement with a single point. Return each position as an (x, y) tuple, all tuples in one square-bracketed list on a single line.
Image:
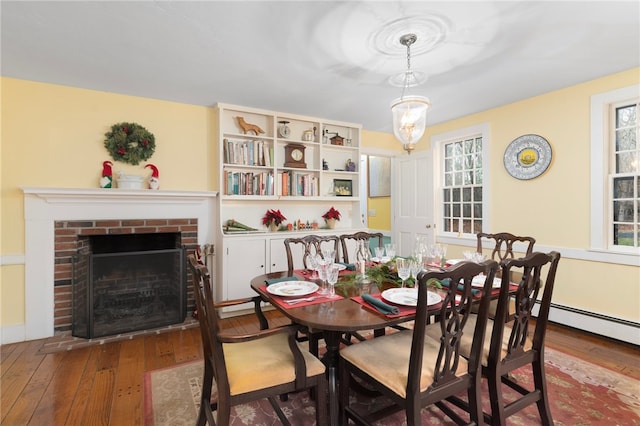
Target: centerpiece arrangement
[(272, 219), (331, 216)]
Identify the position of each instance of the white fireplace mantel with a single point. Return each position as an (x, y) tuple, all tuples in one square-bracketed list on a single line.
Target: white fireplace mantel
[(44, 206)]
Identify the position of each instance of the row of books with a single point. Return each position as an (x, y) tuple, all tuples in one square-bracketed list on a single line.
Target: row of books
[(248, 153), (292, 183), (248, 183)]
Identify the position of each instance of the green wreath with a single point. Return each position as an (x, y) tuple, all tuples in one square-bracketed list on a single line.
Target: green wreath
[(130, 143)]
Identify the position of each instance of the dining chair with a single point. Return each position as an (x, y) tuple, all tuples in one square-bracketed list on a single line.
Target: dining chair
[(520, 342), (252, 366), (357, 237), (503, 244), (309, 245), (502, 248), (415, 370)]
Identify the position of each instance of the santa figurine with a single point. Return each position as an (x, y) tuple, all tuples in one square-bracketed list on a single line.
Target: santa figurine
[(154, 179), (107, 175)]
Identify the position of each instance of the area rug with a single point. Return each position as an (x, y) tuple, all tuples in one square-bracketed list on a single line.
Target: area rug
[(581, 393)]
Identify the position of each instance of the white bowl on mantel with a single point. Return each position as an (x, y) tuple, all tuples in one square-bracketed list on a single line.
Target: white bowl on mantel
[(130, 181)]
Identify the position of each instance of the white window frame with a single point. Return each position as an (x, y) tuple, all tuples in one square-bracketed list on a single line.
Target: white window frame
[(438, 142), (600, 209)]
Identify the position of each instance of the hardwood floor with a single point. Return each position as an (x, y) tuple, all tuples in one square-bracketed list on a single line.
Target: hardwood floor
[(103, 384)]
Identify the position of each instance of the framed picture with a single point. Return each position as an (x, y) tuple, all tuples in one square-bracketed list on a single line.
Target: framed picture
[(343, 187), (379, 176)]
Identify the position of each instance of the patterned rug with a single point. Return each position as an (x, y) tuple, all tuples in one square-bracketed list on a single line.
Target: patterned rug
[(581, 393)]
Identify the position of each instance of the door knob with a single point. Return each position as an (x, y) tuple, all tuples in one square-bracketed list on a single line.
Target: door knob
[(428, 227)]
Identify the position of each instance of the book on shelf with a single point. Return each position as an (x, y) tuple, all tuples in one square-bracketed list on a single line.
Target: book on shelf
[(248, 153)]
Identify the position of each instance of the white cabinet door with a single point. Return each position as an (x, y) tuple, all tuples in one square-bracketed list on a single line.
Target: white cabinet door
[(244, 260), (277, 255)]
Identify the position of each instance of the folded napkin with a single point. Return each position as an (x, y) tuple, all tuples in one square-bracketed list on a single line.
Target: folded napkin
[(475, 292), (350, 266), (277, 280), (380, 306)]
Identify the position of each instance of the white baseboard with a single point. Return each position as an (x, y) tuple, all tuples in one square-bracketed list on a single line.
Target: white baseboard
[(614, 328), (12, 334)]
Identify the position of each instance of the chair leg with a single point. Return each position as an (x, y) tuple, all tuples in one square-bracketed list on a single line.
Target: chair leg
[(540, 381), (474, 396), (495, 396), (205, 396)]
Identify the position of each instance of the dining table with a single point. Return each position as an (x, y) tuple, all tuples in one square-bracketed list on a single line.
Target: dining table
[(333, 317)]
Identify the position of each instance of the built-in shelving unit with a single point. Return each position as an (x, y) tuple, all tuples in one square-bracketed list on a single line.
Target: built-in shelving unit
[(253, 178)]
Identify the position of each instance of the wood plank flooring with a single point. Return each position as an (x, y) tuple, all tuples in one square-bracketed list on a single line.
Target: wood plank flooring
[(102, 384)]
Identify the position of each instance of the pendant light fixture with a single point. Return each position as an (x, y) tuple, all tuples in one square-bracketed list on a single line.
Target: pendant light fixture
[(409, 112)]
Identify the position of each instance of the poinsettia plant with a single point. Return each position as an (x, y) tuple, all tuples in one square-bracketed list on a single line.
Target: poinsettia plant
[(273, 216), (332, 214)]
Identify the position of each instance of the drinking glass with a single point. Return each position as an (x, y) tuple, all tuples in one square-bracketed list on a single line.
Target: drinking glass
[(312, 262), (390, 249), (415, 268), (404, 269), (323, 268), (379, 253), (332, 279)]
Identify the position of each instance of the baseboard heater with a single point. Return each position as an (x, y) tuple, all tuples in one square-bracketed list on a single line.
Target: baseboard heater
[(592, 322)]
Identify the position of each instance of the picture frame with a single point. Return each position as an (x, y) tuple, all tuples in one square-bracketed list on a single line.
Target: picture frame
[(379, 176), (343, 187)]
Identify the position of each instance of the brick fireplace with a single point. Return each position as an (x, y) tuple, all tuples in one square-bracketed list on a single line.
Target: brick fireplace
[(71, 237), (55, 217)]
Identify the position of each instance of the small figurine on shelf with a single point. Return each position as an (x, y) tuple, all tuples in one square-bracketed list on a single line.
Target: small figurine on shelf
[(107, 175), (350, 166), (325, 165), (154, 179)]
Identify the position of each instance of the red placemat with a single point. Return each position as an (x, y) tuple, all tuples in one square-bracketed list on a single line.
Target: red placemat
[(404, 310), (281, 300)]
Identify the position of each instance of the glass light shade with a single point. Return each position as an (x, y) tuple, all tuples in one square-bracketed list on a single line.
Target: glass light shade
[(409, 119)]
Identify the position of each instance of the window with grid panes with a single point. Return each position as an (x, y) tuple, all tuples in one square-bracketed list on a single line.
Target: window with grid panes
[(462, 189), (624, 176)]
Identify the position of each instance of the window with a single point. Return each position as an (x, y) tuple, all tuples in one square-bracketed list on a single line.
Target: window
[(624, 172), (615, 172), (462, 179)]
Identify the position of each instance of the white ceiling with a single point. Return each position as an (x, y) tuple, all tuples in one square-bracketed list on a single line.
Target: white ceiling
[(326, 59)]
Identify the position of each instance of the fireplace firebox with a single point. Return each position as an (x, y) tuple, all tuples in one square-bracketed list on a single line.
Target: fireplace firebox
[(124, 283)]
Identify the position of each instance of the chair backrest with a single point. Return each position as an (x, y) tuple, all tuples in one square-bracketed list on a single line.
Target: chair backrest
[(532, 268), (209, 322), (454, 313), (503, 247), (309, 245), (359, 236)]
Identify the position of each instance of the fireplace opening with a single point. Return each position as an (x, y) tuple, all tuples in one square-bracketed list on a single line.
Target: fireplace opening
[(124, 283)]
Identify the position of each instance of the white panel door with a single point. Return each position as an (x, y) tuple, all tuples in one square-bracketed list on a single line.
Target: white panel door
[(412, 200), (244, 260)]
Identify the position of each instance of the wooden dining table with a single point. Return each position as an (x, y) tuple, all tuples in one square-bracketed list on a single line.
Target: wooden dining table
[(334, 318)]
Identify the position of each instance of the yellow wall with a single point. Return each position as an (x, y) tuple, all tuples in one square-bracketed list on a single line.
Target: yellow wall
[(382, 205), (554, 208)]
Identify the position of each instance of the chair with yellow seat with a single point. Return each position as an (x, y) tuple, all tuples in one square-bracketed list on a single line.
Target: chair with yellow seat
[(249, 367), (415, 370)]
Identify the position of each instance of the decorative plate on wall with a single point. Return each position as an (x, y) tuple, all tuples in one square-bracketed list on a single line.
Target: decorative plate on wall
[(527, 157)]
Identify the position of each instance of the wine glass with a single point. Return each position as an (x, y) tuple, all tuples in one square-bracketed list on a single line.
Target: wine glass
[(332, 279), (312, 262), (390, 249), (415, 268), (404, 270)]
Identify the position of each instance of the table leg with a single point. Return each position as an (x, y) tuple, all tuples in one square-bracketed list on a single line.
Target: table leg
[(332, 341)]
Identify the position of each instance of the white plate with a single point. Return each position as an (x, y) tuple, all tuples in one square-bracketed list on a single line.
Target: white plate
[(292, 288), (383, 259), (341, 267), (478, 281), (408, 296), (454, 261)]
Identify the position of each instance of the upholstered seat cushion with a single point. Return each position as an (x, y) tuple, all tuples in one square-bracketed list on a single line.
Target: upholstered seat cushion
[(386, 359), (263, 363), (467, 338)]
